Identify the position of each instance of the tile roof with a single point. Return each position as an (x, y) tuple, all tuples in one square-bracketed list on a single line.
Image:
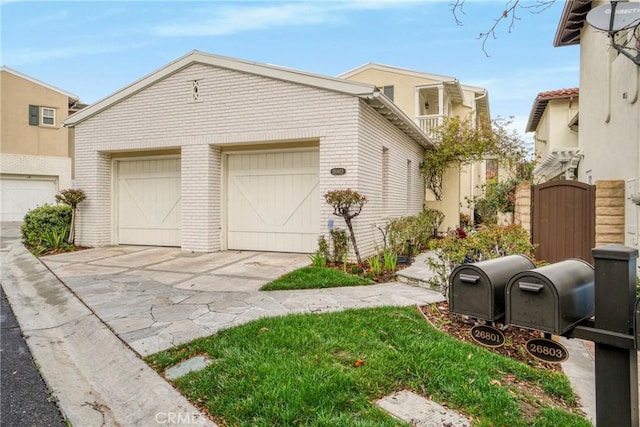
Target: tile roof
[(541, 101)]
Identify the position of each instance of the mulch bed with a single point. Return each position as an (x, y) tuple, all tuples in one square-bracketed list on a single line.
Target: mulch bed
[(515, 338)]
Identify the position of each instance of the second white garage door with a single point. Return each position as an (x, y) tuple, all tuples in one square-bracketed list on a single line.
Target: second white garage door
[(148, 202), (273, 201), (21, 194)]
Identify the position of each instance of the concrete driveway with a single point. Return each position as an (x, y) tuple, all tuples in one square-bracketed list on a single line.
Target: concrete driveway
[(154, 298)]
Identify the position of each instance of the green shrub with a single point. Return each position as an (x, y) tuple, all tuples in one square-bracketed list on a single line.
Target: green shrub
[(340, 242), (318, 259), (416, 230), (487, 242), (46, 228)]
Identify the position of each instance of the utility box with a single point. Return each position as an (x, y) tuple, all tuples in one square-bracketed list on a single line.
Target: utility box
[(553, 298), (477, 289)]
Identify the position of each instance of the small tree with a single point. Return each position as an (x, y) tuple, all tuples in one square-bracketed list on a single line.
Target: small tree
[(348, 205), (71, 197), (460, 142)]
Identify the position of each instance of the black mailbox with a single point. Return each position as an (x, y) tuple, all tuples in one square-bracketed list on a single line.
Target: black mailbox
[(636, 325), (477, 290), (553, 298)]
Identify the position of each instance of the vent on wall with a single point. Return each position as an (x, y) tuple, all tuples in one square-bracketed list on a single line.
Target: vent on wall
[(195, 90)]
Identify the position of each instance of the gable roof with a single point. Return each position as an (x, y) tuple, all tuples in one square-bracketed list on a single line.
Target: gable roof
[(365, 91), (541, 101), (38, 82), (452, 86), (571, 22)]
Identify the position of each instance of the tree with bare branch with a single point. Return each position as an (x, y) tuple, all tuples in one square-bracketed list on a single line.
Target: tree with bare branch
[(509, 14)]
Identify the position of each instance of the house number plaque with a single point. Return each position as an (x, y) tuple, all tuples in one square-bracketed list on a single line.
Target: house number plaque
[(487, 336), (547, 350), (338, 171)]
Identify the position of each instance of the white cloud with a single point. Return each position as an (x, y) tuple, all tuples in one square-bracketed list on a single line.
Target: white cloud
[(230, 20), (53, 17), (234, 19), (38, 56)]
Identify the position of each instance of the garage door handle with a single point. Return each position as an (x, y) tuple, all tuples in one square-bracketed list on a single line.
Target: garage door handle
[(530, 287), (468, 278)]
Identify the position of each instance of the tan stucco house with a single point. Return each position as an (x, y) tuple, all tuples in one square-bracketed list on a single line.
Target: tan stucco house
[(427, 99), (610, 106), (554, 120), (211, 153), (35, 149)]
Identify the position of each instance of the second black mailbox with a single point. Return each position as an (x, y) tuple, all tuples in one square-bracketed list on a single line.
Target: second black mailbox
[(553, 298), (477, 290)]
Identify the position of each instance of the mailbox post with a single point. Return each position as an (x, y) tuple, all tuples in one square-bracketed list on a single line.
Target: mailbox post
[(616, 366), (615, 284)]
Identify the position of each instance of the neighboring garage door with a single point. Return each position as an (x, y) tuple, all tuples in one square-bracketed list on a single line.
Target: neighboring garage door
[(273, 201), (19, 195), (148, 202)]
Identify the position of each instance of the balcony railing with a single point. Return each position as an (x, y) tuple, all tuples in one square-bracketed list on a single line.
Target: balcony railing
[(428, 124)]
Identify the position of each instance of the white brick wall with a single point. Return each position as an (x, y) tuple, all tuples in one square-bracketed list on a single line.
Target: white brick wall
[(18, 164), (404, 198), (200, 198), (236, 108)]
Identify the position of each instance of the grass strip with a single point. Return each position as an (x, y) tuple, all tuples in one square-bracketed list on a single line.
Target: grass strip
[(313, 278), (328, 369)]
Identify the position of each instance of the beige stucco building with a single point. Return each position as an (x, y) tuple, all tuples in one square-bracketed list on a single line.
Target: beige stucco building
[(609, 134), (427, 99), (35, 149), (554, 119)]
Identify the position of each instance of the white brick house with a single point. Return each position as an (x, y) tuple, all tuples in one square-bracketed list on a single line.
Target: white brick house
[(212, 153)]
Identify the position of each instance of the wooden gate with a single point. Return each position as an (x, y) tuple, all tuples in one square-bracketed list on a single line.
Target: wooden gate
[(563, 224)]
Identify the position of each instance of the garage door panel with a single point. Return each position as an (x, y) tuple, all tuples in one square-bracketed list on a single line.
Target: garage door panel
[(279, 208), (149, 202), (273, 201), (19, 195)]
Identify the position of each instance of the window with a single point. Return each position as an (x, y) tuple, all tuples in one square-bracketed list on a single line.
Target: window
[(492, 168), (42, 116), (409, 184), (48, 116), (388, 92), (385, 180)]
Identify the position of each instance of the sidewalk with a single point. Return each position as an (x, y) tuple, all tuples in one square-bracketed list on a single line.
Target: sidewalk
[(25, 397)]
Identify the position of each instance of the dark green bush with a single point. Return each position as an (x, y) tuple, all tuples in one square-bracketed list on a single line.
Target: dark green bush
[(487, 242), (46, 228), (416, 230)]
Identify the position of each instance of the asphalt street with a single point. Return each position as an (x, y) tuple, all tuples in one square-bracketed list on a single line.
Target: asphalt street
[(25, 399)]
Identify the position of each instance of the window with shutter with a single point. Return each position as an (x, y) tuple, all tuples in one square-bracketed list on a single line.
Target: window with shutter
[(34, 116)]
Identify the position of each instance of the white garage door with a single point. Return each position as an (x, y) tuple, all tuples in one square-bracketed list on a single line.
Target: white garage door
[(273, 201), (148, 202), (22, 194)]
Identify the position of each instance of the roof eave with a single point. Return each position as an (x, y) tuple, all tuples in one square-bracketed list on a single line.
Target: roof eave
[(41, 83), (571, 22), (398, 118)]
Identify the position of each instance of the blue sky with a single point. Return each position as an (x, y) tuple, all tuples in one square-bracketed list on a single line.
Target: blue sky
[(93, 49)]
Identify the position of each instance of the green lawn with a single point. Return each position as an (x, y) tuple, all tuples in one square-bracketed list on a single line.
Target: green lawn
[(313, 278), (328, 369)]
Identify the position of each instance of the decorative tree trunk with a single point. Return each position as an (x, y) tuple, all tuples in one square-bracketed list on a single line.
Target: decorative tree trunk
[(353, 239)]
